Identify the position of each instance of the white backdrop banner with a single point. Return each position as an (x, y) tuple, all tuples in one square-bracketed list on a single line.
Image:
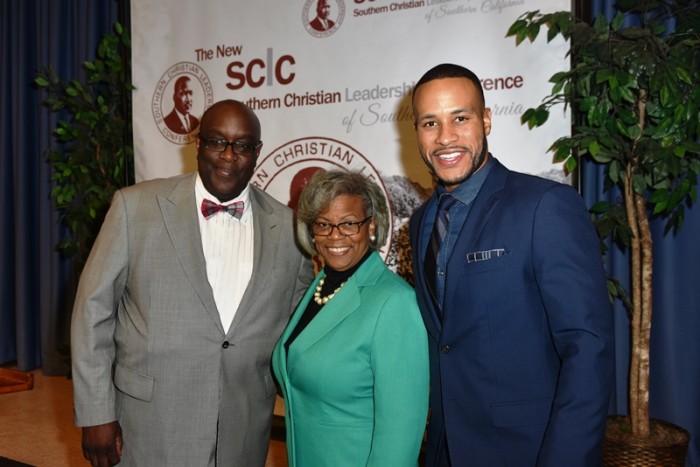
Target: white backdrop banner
[(335, 91)]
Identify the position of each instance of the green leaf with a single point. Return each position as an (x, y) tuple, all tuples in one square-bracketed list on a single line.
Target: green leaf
[(622, 129), (527, 115), (516, 28), (665, 95), (679, 151), (603, 75), (600, 206), (533, 31), (617, 21), (541, 115), (601, 23), (561, 153), (627, 95), (683, 75), (588, 103), (634, 131), (614, 171)]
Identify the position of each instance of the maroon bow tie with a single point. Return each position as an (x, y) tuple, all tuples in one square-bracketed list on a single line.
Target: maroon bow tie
[(209, 208)]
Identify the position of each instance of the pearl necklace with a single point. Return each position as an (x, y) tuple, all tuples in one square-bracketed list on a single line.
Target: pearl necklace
[(317, 294)]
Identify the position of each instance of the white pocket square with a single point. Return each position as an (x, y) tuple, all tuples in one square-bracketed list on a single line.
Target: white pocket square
[(485, 255)]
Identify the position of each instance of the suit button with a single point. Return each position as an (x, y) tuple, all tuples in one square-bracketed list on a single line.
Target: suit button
[(445, 349), (225, 345)]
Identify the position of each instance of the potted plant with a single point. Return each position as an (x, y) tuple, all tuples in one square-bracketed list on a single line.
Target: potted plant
[(95, 157), (634, 96)]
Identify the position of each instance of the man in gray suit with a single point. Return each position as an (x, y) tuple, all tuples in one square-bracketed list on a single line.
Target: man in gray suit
[(179, 307)]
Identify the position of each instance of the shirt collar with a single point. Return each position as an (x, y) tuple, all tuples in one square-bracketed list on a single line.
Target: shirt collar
[(201, 193), (468, 189)]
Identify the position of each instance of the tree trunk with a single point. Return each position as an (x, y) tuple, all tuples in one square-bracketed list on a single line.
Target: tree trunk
[(646, 313), (637, 399), (641, 272)]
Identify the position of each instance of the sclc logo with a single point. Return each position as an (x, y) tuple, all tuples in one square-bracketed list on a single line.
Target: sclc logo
[(260, 71)]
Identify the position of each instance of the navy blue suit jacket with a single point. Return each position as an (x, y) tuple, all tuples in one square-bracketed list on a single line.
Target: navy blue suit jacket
[(522, 361)]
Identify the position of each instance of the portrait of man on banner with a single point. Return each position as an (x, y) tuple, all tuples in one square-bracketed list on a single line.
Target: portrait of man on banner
[(322, 22), (180, 120)]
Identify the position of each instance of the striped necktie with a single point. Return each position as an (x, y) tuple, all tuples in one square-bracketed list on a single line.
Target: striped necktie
[(442, 222)]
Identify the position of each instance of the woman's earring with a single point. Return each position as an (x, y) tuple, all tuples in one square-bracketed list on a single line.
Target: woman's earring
[(372, 238)]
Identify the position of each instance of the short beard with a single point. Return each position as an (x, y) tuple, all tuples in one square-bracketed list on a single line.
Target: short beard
[(476, 165)]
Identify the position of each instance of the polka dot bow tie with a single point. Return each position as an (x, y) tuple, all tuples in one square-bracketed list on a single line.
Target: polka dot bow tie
[(209, 208)]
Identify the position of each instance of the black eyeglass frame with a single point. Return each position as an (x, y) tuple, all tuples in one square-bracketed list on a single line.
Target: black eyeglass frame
[(236, 146), (338, 226)]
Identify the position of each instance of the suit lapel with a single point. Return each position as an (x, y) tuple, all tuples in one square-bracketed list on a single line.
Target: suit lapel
[(331, 315), (266, 224), (293, 322), (181, 221), (485, 205), (346, 302), (433, 324)]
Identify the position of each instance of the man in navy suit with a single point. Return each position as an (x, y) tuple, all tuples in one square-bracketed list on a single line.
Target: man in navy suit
[(513, 294)]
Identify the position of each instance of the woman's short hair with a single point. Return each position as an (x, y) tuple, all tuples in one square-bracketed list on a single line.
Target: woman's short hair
[(324, 187)]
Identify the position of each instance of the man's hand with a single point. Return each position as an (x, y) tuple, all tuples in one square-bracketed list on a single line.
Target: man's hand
[(102, 444)]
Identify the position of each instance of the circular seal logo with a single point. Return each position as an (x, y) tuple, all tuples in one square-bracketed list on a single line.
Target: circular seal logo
[(287, 169), (321, 18), (181, 96)]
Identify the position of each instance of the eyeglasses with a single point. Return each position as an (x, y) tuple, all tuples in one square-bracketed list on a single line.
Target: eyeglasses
[(325, 229), (239, 148)]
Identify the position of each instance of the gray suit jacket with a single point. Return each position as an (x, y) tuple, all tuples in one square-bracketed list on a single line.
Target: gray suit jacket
[(148, 347)]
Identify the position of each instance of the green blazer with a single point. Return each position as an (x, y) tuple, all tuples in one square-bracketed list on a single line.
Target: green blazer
[(355, 382)]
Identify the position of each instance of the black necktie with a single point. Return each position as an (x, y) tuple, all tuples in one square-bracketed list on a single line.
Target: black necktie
[(442, 222)]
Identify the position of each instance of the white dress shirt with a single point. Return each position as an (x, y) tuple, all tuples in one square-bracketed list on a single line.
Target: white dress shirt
[(228, 251)]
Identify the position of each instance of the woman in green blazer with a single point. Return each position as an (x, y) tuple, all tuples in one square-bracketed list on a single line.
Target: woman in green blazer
[(352, 363)]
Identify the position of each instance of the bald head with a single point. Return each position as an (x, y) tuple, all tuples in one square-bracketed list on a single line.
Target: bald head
[(224, 108)]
